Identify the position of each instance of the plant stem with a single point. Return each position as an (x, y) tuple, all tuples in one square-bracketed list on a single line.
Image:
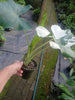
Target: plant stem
[(40, 47), (38, 53), (27, 43)]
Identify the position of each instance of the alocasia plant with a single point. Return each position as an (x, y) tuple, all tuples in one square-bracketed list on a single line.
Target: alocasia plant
[(10, 15), (63, 40), (32, 52)]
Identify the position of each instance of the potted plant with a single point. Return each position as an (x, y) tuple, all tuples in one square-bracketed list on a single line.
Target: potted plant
[(29, 64), (2, 38)]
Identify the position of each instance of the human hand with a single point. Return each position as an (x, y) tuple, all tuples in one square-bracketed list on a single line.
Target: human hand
[(15, 68), (8, 71)]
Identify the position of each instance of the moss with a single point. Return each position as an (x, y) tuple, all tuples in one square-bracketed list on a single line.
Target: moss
[(3, 93), (47, 69), (44, 18), (50, 55)]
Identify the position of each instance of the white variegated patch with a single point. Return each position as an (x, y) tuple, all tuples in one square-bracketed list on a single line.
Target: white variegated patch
[(42, 31)]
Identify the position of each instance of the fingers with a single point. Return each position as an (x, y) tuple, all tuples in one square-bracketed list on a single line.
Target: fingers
[(20, 72), (16, 68), (18, 64)]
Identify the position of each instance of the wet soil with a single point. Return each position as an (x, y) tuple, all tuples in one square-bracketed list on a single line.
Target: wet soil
[(30, 66)]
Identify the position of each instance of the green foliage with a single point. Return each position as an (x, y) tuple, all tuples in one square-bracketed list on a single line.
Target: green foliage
[(36, 14), (47, 70), (1, 28), (44, 18), (64, 77), (37, 10), (68, 94), (2, 38), (3, 0), (32, 51), (70, 21), (35, 3), (65, 89), (73, 48), (66, 13), (71, 83), (71, 72), (35, 40), (22, 2), (66, 97), (62, 16), (71, 6), (10, 15)]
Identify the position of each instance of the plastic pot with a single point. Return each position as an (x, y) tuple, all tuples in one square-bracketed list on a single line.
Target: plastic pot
[(27, 72)]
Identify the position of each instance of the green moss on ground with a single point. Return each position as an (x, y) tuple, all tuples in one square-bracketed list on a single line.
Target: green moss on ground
[(5, 88), (47, 69), (49, 56)]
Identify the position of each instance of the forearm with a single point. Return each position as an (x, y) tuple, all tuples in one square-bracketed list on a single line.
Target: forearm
[(4, 77), (8, 71)]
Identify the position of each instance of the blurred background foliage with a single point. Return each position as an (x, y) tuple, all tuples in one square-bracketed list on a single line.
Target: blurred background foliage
[(22, 2), (66, 13), (36, 4)]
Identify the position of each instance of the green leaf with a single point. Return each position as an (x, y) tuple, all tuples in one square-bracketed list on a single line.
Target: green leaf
[(72, 78), (73, 92), (34, 42), (66, 97), (65, 89), (28, 53), (63, 76), (71, 83), (71, 71), (3, 38), (32, 56), (10, 15), (22, 2), (43, 20), (70, 59), (1, 28)]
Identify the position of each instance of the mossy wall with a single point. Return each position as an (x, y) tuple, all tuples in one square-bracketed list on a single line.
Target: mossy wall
[(47, 18), (48, 9)]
